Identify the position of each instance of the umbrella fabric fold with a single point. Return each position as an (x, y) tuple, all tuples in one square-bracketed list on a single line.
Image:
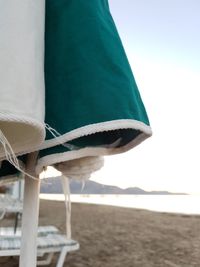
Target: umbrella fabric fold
[(21, 76)]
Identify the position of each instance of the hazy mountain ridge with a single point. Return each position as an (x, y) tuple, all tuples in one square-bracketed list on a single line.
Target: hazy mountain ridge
[(54, 186)]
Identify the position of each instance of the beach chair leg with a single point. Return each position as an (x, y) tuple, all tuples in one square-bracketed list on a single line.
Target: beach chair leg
[(2, 214), (16, 222), (46, 261), (62, 256)]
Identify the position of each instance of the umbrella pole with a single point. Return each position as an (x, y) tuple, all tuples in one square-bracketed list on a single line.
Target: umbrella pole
[(28, 251)]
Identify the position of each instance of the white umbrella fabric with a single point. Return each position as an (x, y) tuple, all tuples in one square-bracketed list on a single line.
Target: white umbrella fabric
[(21, 76)]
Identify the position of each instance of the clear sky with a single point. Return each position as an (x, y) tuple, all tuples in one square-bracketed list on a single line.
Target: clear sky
[(162, 41)]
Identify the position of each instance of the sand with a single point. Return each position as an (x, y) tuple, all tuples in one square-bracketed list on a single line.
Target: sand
[(122, 237)]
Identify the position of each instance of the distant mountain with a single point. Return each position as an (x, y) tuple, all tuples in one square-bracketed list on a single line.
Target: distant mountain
[(54, 186)]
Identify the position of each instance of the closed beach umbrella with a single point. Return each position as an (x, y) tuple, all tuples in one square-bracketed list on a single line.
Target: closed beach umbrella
[(92, 104)]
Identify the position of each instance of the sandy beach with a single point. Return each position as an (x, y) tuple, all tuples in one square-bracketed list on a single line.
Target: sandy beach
[(122, 237)]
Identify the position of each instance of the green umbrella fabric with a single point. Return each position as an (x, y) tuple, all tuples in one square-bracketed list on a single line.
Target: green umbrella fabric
[(92, 99)]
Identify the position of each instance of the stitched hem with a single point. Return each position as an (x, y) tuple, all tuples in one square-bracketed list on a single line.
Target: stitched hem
[(96, 128), (30, 143)]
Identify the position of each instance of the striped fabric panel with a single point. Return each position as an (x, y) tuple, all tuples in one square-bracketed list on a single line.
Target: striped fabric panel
[(54, 240), (9, 243), (49, 229), (42, 230)]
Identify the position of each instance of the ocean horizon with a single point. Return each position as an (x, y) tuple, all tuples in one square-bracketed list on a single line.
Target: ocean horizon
[(184, 204)]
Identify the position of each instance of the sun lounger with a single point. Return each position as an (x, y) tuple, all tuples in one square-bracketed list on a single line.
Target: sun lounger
[(8, 204), (49, 241), (42, 230)]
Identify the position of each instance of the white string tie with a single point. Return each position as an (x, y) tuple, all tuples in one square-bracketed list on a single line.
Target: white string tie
[(10, 155), (66, 190), (56, 134)]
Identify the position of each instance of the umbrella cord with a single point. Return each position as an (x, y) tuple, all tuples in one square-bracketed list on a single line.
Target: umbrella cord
[(56, 134), (10, 155), (66, 190)]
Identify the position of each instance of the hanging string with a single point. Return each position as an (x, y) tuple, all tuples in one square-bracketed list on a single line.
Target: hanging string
[(56, 134), (83, 184), (114, 144), (10, 155), (66, 190)]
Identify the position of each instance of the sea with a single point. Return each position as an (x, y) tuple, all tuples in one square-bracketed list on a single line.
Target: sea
[(184, 204)]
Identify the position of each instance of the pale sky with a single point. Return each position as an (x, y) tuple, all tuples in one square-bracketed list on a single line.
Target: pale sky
[(162, 42)]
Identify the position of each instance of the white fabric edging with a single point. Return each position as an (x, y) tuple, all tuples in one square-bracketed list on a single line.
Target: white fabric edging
[(98, 127), (21, 73)]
